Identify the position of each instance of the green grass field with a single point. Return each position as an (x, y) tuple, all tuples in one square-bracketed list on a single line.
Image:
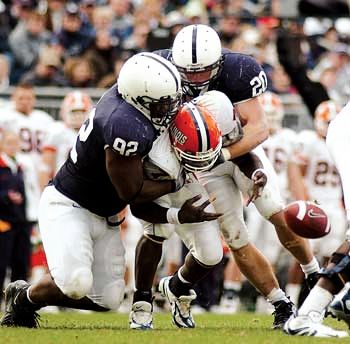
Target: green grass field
[(106, 328)]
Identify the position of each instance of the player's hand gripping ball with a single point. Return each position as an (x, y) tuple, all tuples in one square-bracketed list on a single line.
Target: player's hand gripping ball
[(307, 219)]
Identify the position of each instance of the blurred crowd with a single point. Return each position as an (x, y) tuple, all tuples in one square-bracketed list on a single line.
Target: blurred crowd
[(84, 43)]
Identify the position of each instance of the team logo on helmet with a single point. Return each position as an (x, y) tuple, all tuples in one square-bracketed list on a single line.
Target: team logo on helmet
[(195, 137), (75, 108)]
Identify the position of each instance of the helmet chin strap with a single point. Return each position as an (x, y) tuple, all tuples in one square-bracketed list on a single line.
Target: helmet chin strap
[(193, 92)]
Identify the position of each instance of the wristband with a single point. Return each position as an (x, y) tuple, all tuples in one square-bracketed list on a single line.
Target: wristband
[(256, 171), (172, 216), (226, 154)]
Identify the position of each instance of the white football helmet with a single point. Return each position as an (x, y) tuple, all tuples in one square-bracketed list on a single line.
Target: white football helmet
[(196, 53), (324, 113), (152, 85), (273, 109), (75, 108)]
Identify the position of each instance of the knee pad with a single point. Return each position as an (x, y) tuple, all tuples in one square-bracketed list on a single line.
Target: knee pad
[(236, 238), (78, 284), (112, 295), (208, 257), (338, 274)]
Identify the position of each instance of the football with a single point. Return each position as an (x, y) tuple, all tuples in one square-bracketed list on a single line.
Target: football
[(307, 219)]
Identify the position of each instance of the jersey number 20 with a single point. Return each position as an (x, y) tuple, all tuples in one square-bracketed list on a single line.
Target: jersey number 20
[(259, 84)]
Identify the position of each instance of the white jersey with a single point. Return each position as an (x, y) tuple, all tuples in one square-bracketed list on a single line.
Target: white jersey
[(31, 185), (59, 139), (322, 179), (280, 148), (31, 129), (338, 142)]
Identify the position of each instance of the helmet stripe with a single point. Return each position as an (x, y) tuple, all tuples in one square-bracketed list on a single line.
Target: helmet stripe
[(194, 44), (202, 129), (153, 57)]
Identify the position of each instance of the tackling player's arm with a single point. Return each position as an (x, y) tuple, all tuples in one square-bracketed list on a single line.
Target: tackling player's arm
[(255, 129), (252, 167), (126, 174), (188, 213)]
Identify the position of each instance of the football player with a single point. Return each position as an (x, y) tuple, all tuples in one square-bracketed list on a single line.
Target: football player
[(193, 136), (337, 273), (31, 125), (279, 148), (314, 177), (204, 65), (61, 135), (103, 173)]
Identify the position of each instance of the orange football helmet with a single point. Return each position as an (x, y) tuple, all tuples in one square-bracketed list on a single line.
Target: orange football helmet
[(75, 108), (195, 138), (324, 113), (273, 109)]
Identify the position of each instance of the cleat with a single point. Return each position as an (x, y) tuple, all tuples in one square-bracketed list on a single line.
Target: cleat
[(303, 325), (15, 313), (340, 308), (180, 306), (283, 311), (141, 316)]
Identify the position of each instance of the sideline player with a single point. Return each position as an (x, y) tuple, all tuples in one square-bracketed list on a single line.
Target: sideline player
[(61, 135), (337, 273), (315, 178), (77, 214)]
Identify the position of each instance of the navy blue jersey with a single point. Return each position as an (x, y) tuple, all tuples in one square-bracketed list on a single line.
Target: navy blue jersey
[(113, 123), (241, 77)]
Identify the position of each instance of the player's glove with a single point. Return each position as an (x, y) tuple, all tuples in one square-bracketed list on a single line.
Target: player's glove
[(180, 181), (190, 213), (259, 179)]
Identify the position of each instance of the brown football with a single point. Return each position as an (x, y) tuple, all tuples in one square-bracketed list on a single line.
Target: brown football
[(307, 219)]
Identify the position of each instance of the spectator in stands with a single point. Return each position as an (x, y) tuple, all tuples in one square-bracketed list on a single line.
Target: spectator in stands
[(79, 72), (54, 15), (74, 38), (5, 28), (103, 53), (122, 23), (87, 8), (281, 83), (26, 42), (228, 28), (102, 18), (4, 72), (20, 11), (137, 42), (111, 78), (48, 71), (14, 229)]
